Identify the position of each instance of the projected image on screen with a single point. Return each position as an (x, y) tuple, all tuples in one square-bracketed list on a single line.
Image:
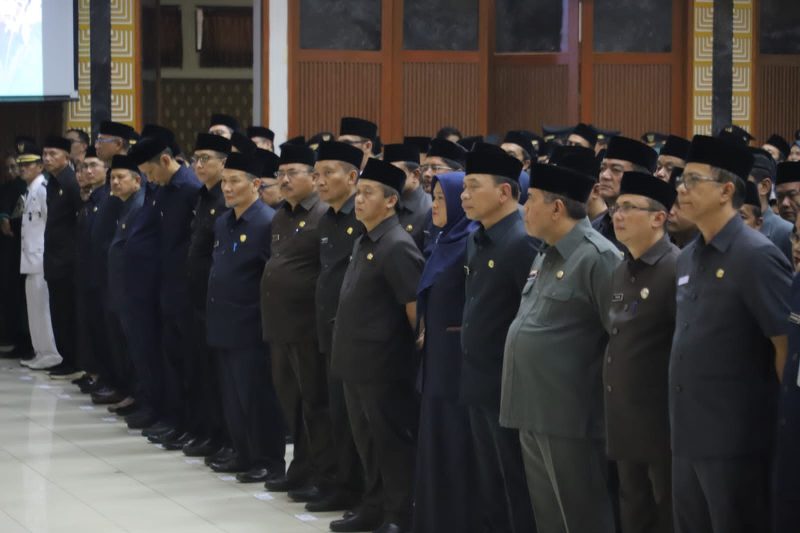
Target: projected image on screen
[(21, 48)]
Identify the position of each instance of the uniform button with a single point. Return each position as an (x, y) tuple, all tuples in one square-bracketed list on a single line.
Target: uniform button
[(794, 357), (678, 388), (608, 388), (625, 307), (266, 293), (212, 300), (633, 279), (614, 331), (685, 325), (608, 360)]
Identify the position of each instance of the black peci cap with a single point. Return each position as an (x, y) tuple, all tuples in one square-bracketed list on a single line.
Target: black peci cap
[(633, 151), (117, 129), (561, 180), (225, 120), (448, 150), (209, 141), (295, 153), (359, 127), (490, 159), (56, 141), (577, 158), (260, 131), (650, 186), (401, 153), (587, 132), (338, 151), (386, 173), (269, 162), (717, 152), (246, 162), (124, 162), (676, 147)]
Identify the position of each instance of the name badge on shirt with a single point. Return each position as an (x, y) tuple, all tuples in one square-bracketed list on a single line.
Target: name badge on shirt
[(794, 318), (324, 240), (616, 297), (683, 280), (275, 237)]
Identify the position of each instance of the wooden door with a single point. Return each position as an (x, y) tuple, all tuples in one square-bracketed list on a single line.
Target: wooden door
[(534, 67), (633, 65)]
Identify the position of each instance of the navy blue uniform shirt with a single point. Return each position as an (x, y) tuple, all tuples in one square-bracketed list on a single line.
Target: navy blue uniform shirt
[(60, 231), (497, 264), (732, 296), (241, 249)]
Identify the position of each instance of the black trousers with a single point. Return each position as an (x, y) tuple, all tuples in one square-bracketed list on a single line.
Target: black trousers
[(725, 495), (444, 496), (142, 328), (251, 408), (502, 486), (121, 373), (304, 370), (176, 344), (349, 472), (204, 399), (383, 418), (63, 310), (299, 471), (645, 496), (13, 309)]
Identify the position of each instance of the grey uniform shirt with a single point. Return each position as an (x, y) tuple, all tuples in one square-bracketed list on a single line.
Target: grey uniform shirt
[(552, 367)]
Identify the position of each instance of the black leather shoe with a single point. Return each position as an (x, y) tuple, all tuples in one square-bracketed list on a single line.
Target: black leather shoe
[(283, 484), (107, 396), (200, 448), (230, 466), (222, 454), (141, 419), (309, 493), (389, 527), (156, 429), (163, 436), (254, 475), (176, 443), (333, 501), (127, 410), (360, 521)]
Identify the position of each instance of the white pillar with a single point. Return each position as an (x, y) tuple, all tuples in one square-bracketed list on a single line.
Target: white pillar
[(278, 69)]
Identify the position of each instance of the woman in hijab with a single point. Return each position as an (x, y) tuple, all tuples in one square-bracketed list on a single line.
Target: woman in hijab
[(444, 484)]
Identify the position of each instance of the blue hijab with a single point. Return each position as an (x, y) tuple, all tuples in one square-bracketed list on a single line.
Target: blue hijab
[(451, 245)]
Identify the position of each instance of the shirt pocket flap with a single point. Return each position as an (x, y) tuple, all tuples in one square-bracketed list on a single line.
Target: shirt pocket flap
[(561, 293)]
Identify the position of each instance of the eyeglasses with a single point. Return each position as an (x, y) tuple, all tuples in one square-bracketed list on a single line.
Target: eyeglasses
[(626, 208), (791, 195), (265, 186), (691, 180), (353, 142), (434, 168), (203, 159), (102, 140), (291, 174)]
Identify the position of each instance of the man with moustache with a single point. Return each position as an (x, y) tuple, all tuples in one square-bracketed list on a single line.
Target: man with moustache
[(623, 155), (241, 248), (787, 189), (373, 352), (289, 323), (63, 205), (269, 191), (336, 173)]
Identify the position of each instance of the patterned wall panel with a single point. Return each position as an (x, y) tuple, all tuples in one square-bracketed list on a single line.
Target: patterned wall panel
[(435, 94), (702, 69), (703, 41), (642, 103), (743, 63), (327, 91), (187, 104), (526, 96), (124, 50)]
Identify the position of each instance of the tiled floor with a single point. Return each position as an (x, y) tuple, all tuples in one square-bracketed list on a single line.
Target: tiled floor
[(67, 466)]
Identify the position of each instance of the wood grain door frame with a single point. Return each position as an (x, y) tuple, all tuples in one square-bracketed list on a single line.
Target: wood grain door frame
[(677, 59), (569, 57), (401, 57), (297, 54)]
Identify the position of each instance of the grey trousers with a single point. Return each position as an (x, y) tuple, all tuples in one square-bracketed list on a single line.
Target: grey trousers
[(567, 483)]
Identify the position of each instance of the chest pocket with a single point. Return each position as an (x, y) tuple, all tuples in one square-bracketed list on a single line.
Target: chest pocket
[(553, 304)]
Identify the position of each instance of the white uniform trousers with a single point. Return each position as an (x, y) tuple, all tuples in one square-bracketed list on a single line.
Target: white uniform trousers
[(39, 315)]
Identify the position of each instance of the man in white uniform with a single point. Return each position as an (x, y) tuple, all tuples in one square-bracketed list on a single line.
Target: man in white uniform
[(34, 218)]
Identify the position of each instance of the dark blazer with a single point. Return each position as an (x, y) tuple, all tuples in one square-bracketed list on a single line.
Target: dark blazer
[(119, 269), (175, 202), (241, 249), (142, 269), (60, 231)]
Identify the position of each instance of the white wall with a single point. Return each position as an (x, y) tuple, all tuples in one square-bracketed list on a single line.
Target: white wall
[(278, 69)]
